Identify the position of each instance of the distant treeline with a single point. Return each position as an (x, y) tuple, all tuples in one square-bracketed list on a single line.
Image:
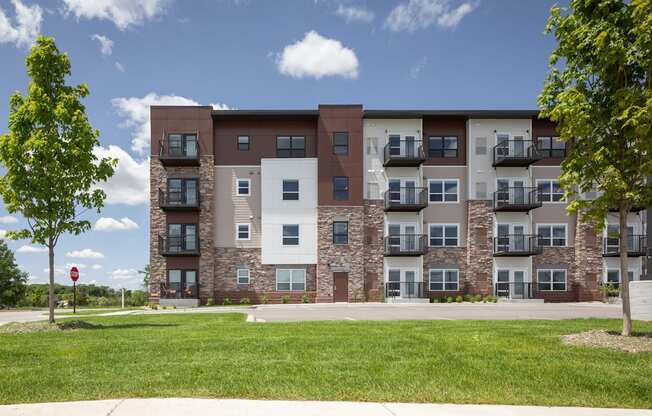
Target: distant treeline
[(87, 295)]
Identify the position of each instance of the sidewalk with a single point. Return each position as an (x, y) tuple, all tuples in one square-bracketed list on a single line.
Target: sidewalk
[(196, 407)]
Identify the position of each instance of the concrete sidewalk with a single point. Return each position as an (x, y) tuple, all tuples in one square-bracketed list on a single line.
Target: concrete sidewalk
[(196, 407)]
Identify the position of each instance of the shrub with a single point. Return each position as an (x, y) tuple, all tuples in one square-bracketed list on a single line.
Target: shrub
[(209, 301), (459, 299), (477, 298), (245, 301), (305, 298), (434, 300), (264, 299), (152, 305), (467, 298), (226, 302), (449, 299), (285, 299)]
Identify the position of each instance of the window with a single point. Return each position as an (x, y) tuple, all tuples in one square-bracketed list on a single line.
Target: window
[(242, 187), (290, 190), (340, 232), (341, 143), (551, 147), (243, 143), (444, 235), (551, 235), (290, 279), (549, 190), (181, 284), (242, 231), (182, 145), (551, 280), (182, 192), (480, 146), (444, 279), (182, 237), (613, 276), (242, 276), (290, 146), (442, 146), (291, 235), (340, 188), (441, 191)]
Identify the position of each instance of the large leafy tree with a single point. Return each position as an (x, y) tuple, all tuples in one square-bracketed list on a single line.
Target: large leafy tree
[(51, 170), (599, 91), (13, 281)]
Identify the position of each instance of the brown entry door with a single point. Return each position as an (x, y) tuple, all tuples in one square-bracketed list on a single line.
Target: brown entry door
[(341, 287)]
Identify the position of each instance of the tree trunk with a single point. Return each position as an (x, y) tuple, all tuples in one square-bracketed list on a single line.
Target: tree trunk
[(51, 289), (624, 275)]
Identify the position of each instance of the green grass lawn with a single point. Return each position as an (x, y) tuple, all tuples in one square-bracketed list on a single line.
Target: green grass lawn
[(219, 355)]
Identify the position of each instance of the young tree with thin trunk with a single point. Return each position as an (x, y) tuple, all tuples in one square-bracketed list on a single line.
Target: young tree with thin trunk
[(599, 92), (51, 170)]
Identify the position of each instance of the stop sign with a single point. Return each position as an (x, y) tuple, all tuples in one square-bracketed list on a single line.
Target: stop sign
[(74, 273)]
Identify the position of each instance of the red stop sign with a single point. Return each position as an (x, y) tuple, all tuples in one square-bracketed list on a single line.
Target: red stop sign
[(74, 273)]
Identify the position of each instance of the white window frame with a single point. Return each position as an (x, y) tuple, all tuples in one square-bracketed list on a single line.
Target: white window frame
[(443, 282), (549, 201), (551, 225), (444, 233), (238, 277), (443, 190), (292, 282), (237, 231), (237, 186), (552, 282)]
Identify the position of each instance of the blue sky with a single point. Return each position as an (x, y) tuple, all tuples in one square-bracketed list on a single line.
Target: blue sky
[(435, 54)]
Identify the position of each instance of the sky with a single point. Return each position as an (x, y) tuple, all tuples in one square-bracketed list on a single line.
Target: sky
[(255, 54)]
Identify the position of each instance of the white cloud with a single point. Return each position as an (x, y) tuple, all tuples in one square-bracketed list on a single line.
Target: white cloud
[(111, 224), (124, 274), (355, 14), (96, 266), (120, 67), (86, 253), (106, 44), (27, 24), (32, 249), (123, 13), (316, 56), (77, 265), (57, 271), (135, 110), (3, 233), (8, 219), (420, 14), (130, 182)]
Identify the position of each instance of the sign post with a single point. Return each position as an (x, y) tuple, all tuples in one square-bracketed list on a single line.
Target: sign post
[(74, 275)]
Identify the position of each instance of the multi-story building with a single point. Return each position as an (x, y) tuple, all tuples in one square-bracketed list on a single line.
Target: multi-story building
[(343, 204)]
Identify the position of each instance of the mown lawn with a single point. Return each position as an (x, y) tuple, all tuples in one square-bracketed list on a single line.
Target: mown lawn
[(219, 355)]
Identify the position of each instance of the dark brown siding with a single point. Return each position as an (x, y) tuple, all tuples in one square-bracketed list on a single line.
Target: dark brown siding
[(169, 119), (262, 132), (335, 119), (545, 128), (438, 126)]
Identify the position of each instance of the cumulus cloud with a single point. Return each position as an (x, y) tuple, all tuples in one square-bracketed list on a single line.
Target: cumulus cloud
[(106, 44), (8, 219), (419, 14), (317, 57), (32, 249), (123, 13), (355, 14), (26, 27), (124, 274), (111, 224), (130, 183), (86, 253), (57, 271), (77, 265)]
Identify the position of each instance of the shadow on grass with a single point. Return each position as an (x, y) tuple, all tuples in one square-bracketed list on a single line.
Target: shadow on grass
[(636, 334), (67, 325)]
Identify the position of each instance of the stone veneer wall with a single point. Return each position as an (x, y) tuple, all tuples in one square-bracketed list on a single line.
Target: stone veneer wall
[(479, 254), (206, 224), (374, 260), (449, 258), (340, 258), (157, 263), (557, 258), (588, 261)]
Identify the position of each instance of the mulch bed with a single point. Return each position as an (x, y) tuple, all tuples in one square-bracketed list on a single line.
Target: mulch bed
[(608, 339)]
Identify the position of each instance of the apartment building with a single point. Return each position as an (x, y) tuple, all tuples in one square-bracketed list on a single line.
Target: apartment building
[(342, 204)]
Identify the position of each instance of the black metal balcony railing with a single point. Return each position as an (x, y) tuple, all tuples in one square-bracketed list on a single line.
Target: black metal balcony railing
[(516, 199), (406, 199), (404, 153), (178, 201), (515, 153), (179, 291), (636, 246), (178, 246), (186, 155), (514, 290), (516, 245), (404, 290), (405, 245)]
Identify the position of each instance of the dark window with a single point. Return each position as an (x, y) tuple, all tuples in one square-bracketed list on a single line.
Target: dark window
[(182, 237), (551, 147), (182, 192), (290, 146), (442, 146), (291, 235), (340, 232), (290, 190), (243, 143), (181, 284), (340, 188), (341, 143), (182, 145)]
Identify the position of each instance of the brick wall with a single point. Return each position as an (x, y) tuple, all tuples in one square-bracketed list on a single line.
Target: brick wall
[(557, 258), (588, 261), (479, 254)]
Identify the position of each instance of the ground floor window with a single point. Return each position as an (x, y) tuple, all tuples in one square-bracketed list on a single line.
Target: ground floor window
[(181, 284), (444, 279), (243, 276), (551, 279), (613, 276), (290, 279)]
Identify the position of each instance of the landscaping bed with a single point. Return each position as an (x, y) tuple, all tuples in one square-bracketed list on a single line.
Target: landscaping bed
[(638, 342)]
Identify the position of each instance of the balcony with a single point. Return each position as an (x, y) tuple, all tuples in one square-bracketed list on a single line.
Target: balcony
[(404, 153), (405, 290), (636, 246), (172, 154), (406, 199), (519, 199), (514, 290), (178, 201), (406, 245), (516, 245), (178, 246), (515, 153)]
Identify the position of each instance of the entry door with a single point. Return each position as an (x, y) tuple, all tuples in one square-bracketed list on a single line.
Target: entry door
[(502, 283), (518, 291), (410, 191), (394, 283), (519, 192), (410, 284), (341, 286), (519, 238), (410, 146), (518, 146), (409, 237), (503, 237)]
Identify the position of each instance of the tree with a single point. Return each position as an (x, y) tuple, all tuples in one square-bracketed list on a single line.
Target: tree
[(51, 170), (145, 273), (599, 92), (13, 281)]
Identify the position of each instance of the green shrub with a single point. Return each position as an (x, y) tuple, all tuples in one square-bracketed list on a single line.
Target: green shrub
[(209, 301), (449, 299), (459, 299), (285, 299), (264, 299), (434, 300), (305, 298), (226, 302), (477, 298), (152, 305), (245, 301)]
